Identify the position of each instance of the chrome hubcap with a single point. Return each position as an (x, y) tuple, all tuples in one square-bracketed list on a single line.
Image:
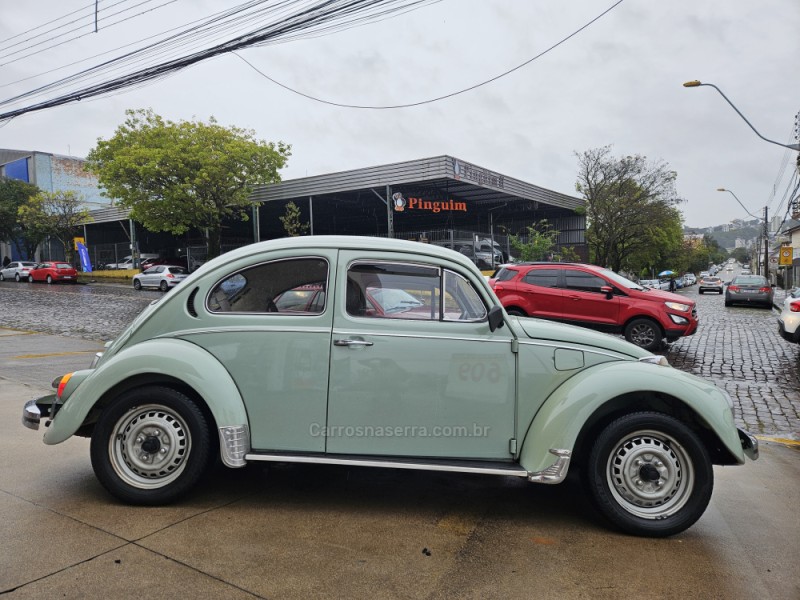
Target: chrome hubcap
[(150, 446), (650, 474)]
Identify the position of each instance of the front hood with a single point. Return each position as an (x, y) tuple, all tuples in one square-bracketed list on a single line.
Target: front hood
[(664, 296), (559, 332)]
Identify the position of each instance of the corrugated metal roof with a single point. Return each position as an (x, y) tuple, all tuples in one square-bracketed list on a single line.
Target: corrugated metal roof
[(463, 179), (108, 215)]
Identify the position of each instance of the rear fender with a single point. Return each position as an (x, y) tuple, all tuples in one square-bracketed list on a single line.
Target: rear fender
[(559, 422), (160, 359)]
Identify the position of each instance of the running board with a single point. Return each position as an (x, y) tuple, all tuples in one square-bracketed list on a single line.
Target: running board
[(463, 466)]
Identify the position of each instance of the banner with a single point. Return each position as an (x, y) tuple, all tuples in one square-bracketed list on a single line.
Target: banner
[(83, 252)]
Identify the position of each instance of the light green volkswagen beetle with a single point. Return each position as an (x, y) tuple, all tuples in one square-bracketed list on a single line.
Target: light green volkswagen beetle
[(385, 353)]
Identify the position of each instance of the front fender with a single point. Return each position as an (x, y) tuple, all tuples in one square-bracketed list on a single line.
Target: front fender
[(172, 358), (560, 420)]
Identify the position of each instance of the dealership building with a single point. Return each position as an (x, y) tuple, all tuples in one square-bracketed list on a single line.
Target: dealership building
[(443, 200)]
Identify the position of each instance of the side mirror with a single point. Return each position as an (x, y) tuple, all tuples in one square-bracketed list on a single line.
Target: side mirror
[(495, 317), (608, 291)]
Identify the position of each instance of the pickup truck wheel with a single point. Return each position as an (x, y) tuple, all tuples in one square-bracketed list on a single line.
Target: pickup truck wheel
[(644, 333), (516, 312), (150, 446), (650, 475)]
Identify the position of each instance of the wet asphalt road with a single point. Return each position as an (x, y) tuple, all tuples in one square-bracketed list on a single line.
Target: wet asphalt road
[(736, 347)]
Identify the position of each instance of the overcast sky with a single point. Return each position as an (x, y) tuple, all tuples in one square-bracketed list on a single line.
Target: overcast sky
[(619, 83)]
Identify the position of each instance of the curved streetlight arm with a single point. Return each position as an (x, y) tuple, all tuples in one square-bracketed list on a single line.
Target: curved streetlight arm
[(739, 201), (738, 112)]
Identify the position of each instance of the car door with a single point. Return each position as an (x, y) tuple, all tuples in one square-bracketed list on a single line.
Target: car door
[(540, 288), (423, 377), (152, 276), (584, 300)]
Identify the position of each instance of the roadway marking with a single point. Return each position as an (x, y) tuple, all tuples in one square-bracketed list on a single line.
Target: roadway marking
[(778, 440), (24, 356)]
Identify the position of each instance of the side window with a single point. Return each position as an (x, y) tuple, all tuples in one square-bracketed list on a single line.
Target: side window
[(290, 286), (461, 300), (581, 281), (542, 277), (402, 291), (393, 291), (504, 274)]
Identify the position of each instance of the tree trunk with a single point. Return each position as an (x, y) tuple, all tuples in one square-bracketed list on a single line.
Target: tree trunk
[(214, 241)]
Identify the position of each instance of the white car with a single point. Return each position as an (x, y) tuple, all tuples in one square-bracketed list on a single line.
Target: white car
[(162, 277), (789, 319), (17, 270)]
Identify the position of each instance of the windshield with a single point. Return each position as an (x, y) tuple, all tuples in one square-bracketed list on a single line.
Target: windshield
[(621, 281)]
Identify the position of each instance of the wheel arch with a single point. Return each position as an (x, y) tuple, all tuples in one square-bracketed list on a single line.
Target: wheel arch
[(573, 414), (203, 379)]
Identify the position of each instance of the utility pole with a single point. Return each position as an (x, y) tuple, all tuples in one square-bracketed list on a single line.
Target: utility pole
[(766, 245)]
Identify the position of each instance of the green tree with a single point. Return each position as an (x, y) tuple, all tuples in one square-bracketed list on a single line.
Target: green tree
[(13, 194), (628, 200), (55, 214), (178, 176), (538, 244), (291, 221), (741, 255)]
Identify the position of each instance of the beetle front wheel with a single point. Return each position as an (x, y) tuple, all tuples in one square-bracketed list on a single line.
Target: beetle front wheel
[(649, 474), (150, 446)]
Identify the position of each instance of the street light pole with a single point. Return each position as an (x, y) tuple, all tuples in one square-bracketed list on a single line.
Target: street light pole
[(695, 83)]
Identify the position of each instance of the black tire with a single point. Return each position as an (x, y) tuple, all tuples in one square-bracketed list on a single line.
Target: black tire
[(155, 424), (49, 280), (16, 277), (728, 303), (516, 312), (30, 278), (645, 333), (137, 285), (700, 291), (2, 277), (650, 475), (164, 286)]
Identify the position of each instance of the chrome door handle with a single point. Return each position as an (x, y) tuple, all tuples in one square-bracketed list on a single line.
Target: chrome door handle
[(351, 343)]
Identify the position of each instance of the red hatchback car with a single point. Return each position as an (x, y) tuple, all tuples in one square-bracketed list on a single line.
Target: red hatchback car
[(594, 297), (52, 272)]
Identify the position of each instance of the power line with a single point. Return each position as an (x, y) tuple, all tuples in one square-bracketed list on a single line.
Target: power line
[(308, 16), (437, 98)]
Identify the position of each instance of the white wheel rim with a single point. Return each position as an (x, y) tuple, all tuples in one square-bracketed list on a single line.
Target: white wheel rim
[(650, 474), (149, 446)]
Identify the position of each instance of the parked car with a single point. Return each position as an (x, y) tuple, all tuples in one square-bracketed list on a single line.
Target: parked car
[(745, 271), (190, 262), (710, 284), (18, 270), (653, 284), (789, 319), (749, 289), (208, 371), (163, 277), (594, 297), (52, 272), (689, 279), (128, 263)]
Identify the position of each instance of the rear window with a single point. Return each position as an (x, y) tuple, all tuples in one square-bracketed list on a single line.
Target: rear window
[(752, 280), (504, 274), (63, 266)]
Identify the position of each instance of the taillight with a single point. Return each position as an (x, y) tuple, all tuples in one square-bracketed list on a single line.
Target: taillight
[(498, 288), (794, 307), (170, 276), (62, 384), (764, 289), (734, 288)]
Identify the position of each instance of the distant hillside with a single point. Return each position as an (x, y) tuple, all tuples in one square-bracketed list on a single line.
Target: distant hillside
[(727, 239)]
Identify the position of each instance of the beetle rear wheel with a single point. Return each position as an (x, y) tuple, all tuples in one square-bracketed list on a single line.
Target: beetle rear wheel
[(649, 474), (150, 446)]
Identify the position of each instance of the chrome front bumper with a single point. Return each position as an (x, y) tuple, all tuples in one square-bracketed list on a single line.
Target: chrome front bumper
[(749, 444), (33, 411)]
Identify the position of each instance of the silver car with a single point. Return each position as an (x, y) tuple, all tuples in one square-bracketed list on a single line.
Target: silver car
[(789, 319), (162, 277), (749, 289), (17, 270)]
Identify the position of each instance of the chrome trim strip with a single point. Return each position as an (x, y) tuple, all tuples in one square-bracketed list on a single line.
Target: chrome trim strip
[(423, 337), (387, 464), (252, 329), (31, 415), (556, 472), (234, 444)]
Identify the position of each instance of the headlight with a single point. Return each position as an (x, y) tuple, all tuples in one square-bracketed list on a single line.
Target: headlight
[(655, 360), (678, 306)]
